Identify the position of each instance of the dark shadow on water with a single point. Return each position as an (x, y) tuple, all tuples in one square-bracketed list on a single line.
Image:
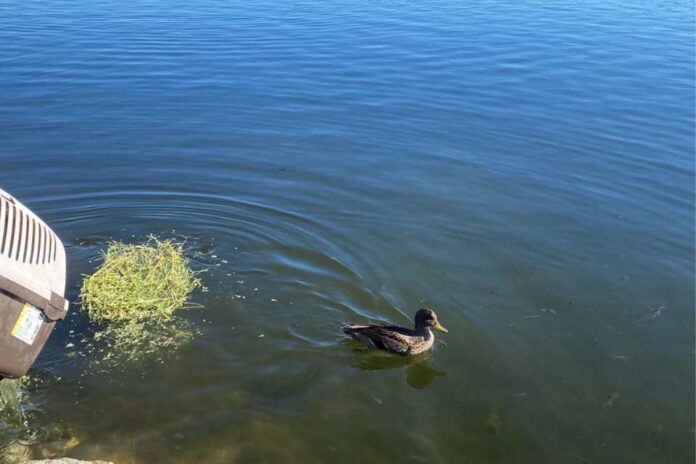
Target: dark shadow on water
[(419, 373)]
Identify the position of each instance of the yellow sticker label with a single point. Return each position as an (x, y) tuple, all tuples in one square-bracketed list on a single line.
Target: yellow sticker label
[(28, 324)]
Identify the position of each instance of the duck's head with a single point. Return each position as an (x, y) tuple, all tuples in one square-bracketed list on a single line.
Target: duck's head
[(427, 318)]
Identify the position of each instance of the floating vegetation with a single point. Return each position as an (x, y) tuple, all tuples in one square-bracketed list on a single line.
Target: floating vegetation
[(139, 282), (133, 296)]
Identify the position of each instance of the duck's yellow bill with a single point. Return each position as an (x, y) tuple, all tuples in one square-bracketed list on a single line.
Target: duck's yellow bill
[(437, 326)]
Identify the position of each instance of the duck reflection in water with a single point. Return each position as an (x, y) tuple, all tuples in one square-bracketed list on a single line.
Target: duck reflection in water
[(419, 373)]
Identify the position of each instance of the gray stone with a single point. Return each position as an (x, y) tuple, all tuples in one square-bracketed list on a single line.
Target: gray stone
[(67, 461)]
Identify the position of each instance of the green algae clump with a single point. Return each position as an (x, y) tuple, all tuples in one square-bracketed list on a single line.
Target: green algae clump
[(139, 282)]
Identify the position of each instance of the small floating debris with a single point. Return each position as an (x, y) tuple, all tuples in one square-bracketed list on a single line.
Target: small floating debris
[(86, 241), (655, 314), (610, 399)]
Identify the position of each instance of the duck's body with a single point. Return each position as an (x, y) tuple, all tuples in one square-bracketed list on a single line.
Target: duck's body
[(395, 339)]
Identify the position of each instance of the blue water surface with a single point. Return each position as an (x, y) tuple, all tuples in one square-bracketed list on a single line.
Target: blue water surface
[(525, 168)]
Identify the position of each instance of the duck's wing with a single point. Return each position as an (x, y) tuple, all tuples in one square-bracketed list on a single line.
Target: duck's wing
[(383, 337)]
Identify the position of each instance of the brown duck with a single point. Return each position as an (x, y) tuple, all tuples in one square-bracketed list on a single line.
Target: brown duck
[(398, 340)]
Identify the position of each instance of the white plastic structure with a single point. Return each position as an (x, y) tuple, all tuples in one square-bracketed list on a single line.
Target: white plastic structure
[(31, 255)]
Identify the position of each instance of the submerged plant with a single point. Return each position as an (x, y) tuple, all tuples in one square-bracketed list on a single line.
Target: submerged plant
[(139, 282), (11, 394), (140, 340), (13, 430)]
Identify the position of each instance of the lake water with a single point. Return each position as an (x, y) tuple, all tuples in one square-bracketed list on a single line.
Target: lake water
[(525, 168)]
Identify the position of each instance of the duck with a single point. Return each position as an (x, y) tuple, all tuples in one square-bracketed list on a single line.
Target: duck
[(398, 340)]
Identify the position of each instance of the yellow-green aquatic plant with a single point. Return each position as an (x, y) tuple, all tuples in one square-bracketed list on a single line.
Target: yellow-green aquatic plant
[(139, 282), (11, 394), (135, 341)]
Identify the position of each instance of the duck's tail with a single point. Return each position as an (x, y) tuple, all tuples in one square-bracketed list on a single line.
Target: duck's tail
[(349, 329)]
